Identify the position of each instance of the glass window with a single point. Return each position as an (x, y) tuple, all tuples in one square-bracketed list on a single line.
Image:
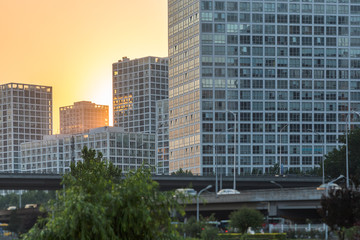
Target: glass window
[(294, 19), (232, 6), (270, 29), (270, 18), (244, 6), (220, 6), (282, 7), (206, 5), (257, 7), (232, 17), (269, 7)]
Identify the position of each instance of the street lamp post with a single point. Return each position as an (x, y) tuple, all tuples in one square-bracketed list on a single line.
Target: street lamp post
[(234, 147), (197, 201), (323, 159), (347, 146), (20, 193), (332, 181), (280, 160)]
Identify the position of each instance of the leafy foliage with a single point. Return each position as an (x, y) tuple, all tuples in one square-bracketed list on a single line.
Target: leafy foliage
[(245, 218), (196, 229), (181, 172), (353, 233), (192, 228), (98, 204), (341, 209), (335, 160), (209, 233)]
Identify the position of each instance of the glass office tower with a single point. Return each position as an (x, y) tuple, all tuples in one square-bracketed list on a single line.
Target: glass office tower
[(282, 75), (137, 85)]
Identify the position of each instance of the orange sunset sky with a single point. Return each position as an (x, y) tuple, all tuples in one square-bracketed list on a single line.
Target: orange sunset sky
[(71, 44)]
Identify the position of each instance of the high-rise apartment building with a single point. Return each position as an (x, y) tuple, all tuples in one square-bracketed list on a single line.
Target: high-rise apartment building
[(25, 115), (53, 154), (83, 116), (137, 85), (283, 75)]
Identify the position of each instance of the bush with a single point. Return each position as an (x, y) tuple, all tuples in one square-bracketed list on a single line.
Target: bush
[(209, 233)]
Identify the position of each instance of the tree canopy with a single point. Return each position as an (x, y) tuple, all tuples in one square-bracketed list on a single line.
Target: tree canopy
[(181, 172), (335, 162), (245, 218), (98, 204), (341, 209)]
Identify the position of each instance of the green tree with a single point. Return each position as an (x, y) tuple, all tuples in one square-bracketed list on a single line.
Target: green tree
[(335, 163), (181, 172), (98, 204), (245, 218), (341, 210)]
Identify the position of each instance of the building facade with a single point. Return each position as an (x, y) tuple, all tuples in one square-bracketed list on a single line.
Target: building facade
[(128, 151), (137, 85), (83, 116), (25, 115), (265, 81), (162, 134)]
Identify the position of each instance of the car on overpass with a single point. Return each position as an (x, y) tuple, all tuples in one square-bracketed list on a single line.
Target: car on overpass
[(228, 191), (187, 192)]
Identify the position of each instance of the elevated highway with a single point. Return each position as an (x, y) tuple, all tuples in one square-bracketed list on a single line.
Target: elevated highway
[(297, 204), (20, 181), (292, 203)]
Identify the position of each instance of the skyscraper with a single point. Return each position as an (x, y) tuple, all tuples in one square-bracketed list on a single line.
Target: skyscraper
[(83, 116), (137, 85), (25, 115), (283, 75)]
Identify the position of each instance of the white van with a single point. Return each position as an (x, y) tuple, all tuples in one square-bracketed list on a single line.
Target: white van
[(185, 191)]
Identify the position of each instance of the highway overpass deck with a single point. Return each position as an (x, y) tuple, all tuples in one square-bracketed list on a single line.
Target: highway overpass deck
[(20, 181)]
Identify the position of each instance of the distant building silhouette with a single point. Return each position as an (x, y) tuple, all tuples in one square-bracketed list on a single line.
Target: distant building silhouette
[(83, 116)]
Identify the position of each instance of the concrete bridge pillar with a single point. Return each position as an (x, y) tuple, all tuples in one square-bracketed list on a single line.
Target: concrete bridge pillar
[(272, 209)]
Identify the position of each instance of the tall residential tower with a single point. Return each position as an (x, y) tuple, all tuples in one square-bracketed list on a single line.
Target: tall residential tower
[(283, 75), (25, 115)]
